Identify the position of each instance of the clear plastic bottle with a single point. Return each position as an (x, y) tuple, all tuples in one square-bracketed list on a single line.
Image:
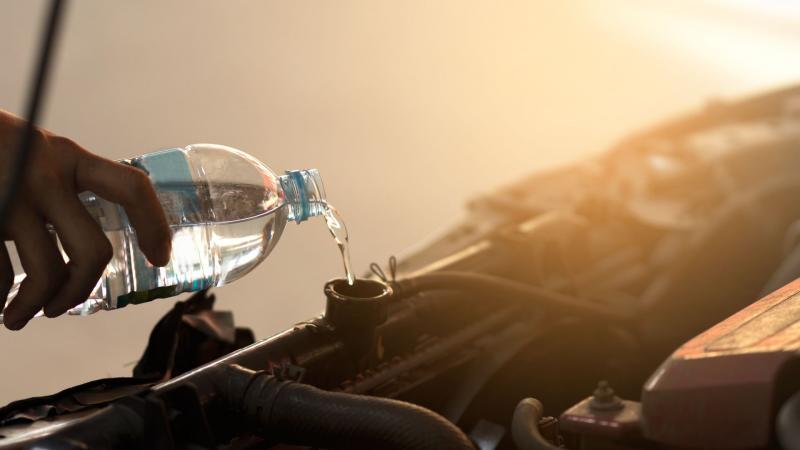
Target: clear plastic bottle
[(226, 210)]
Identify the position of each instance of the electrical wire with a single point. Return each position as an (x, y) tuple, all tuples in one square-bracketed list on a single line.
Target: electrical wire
[(37, 93)]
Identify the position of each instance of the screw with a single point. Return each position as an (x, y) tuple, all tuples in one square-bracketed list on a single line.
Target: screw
[(604, 398)]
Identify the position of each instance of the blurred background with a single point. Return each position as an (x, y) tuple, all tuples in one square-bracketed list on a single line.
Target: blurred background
[(408, 109)]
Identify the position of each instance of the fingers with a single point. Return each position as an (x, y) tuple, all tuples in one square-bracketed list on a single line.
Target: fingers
[(44, 267), (6, 275), (84, 242), (131, 188), (58, 169)]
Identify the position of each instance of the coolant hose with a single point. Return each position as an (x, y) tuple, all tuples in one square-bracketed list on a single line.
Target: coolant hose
[(300, 414), (494, 286), (525, 426)]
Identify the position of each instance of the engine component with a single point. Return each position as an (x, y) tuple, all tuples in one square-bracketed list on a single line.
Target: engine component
[(722, 388), (603, 417), (489, 285), (525, 426), (787, 427), (355, 311), (300, 414)]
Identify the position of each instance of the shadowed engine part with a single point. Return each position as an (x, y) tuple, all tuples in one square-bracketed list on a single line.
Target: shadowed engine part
[(525, 426), (300, 414), (788, 422), (720, 389)]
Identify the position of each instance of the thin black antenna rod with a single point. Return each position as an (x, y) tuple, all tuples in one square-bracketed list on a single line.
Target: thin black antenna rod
[(36, 95)]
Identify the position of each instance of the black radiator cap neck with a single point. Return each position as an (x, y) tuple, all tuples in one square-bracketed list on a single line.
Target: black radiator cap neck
[(360, 306)]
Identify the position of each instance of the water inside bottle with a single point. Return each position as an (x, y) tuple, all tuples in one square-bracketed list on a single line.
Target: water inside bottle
[(339, 232), (206, 251)]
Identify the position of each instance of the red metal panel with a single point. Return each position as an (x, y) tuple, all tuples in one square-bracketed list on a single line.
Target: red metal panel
[(718, 390)]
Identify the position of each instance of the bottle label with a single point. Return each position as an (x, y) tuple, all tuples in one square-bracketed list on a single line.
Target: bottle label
[(165, 167), (171, 175), (146, 296), (138, 297)]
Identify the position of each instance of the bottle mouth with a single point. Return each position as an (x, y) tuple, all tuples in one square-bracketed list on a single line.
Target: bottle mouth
[(305, 194), (361, 290)]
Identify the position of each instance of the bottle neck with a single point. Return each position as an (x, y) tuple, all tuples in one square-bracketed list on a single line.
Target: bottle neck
[(304, 193)]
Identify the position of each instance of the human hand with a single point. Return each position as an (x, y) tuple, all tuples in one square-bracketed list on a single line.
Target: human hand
[(58, 170)]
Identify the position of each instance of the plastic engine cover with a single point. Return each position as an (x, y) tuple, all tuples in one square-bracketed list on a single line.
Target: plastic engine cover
[(722, 388)]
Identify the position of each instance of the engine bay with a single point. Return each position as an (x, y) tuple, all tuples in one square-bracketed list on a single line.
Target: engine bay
[(611, 304)]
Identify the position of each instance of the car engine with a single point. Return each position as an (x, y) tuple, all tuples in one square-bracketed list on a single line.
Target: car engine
[(611, 304)]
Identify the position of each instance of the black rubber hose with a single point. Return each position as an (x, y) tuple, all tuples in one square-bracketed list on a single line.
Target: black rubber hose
[(493, 286), (300, 414), (525, 426)]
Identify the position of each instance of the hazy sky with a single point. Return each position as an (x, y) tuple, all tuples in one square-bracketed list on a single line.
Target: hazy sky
[(408, 109)]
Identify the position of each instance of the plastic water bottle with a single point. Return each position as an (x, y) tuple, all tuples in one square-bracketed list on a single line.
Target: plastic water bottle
[(226, 210)]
